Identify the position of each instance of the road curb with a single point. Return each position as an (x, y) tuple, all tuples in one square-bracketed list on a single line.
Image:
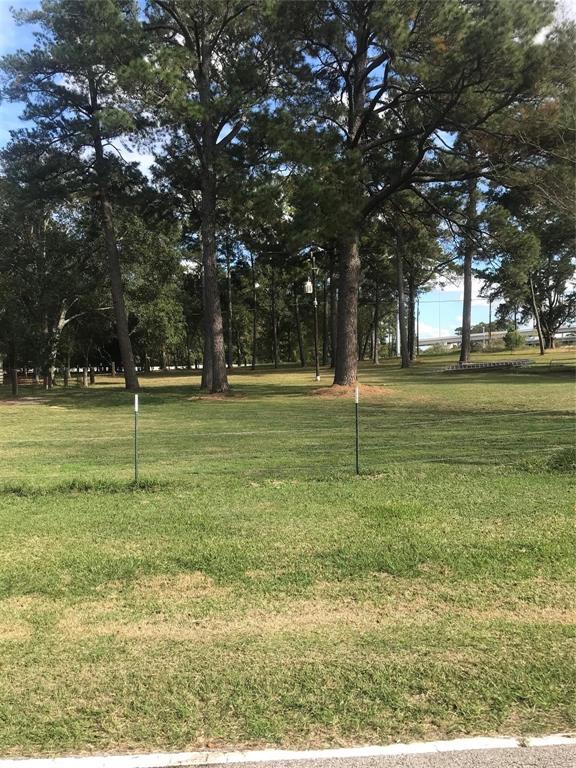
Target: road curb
[(214, 757)]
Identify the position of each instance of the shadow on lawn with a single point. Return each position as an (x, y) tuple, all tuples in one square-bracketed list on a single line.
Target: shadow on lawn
[(288, 381)]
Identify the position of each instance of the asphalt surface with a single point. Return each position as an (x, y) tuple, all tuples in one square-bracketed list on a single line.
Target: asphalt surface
[(523, 757)]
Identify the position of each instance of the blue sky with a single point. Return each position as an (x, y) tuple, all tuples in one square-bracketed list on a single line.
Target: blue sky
[(440, 310)]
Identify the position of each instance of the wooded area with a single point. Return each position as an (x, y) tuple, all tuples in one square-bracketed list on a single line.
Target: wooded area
[(399, 142)]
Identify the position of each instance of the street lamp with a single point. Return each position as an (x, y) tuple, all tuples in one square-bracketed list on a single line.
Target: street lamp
[(310, 287)]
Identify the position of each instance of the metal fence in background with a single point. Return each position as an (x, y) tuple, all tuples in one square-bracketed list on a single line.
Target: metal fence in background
[(144, 440)]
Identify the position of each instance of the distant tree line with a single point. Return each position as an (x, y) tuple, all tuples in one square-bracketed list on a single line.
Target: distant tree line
[(401, 140)]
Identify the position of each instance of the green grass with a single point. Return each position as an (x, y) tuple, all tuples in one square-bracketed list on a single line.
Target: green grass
[(251, 590)]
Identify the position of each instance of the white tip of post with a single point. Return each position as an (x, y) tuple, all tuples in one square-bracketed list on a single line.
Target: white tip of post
[(357, 394), (135, 403)]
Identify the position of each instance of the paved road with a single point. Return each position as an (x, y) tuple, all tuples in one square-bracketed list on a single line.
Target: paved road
[(525, 757)]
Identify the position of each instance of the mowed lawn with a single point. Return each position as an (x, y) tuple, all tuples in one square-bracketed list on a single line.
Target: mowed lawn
[(255, 591)]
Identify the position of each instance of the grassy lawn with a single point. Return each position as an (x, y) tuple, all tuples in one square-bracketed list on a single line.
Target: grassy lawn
[(257, 592)]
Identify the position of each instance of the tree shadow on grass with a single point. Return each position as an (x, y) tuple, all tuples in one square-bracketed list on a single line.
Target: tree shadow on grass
[(268, 383)]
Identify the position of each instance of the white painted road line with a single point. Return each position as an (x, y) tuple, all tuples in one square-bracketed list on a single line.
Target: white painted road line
[(209, 757)]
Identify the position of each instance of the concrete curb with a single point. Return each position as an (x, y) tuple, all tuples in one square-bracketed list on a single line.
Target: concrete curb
[(208, 757)]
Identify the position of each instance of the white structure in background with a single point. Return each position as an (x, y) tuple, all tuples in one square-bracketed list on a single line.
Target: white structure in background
[(565, 333)]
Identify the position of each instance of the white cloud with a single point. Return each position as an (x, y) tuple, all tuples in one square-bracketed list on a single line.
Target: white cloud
[(426, 331), (145, 160), (566, 10), (456, 287)]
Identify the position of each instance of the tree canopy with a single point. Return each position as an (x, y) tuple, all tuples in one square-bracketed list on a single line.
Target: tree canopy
[(401, 141)]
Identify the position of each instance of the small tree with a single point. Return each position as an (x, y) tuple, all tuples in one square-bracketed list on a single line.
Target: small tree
[(513, 340)]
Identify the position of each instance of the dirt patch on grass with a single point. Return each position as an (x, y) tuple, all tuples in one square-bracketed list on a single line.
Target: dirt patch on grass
[(15, 631), (366, 390), (14, 614), (191, 606), (24, 401), (294, 616), (543, 615), (218, 396), (181, 586)]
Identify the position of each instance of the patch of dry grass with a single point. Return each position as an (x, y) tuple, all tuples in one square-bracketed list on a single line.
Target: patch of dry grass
[(192, 607)]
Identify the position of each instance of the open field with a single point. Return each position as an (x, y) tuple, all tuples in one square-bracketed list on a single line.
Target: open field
[(261, 593)]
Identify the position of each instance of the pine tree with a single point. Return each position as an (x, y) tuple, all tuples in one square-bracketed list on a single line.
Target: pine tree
[(397, 82), (211, 68), (72, 87)]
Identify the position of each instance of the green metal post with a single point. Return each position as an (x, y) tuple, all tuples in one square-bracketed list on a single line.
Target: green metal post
[(136, 439), (357, 405)]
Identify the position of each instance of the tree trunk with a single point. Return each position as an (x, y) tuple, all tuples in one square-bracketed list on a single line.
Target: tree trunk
[(536, 316), (206, 380), (84, 376), (402, 335), (213, 327), (324, 324), (117, 288), (14, 381), (274, 326), (376, 350), (230, 350), (371, 339), (67, 370), (333, 311), (12, 362), (367, 340), (417, 350), (214, 348), (411, 319), (289, 350), (299, 331), (346, 370), (239, 349), (120, 315), (92, 375), (254, 306), (468, 259)]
